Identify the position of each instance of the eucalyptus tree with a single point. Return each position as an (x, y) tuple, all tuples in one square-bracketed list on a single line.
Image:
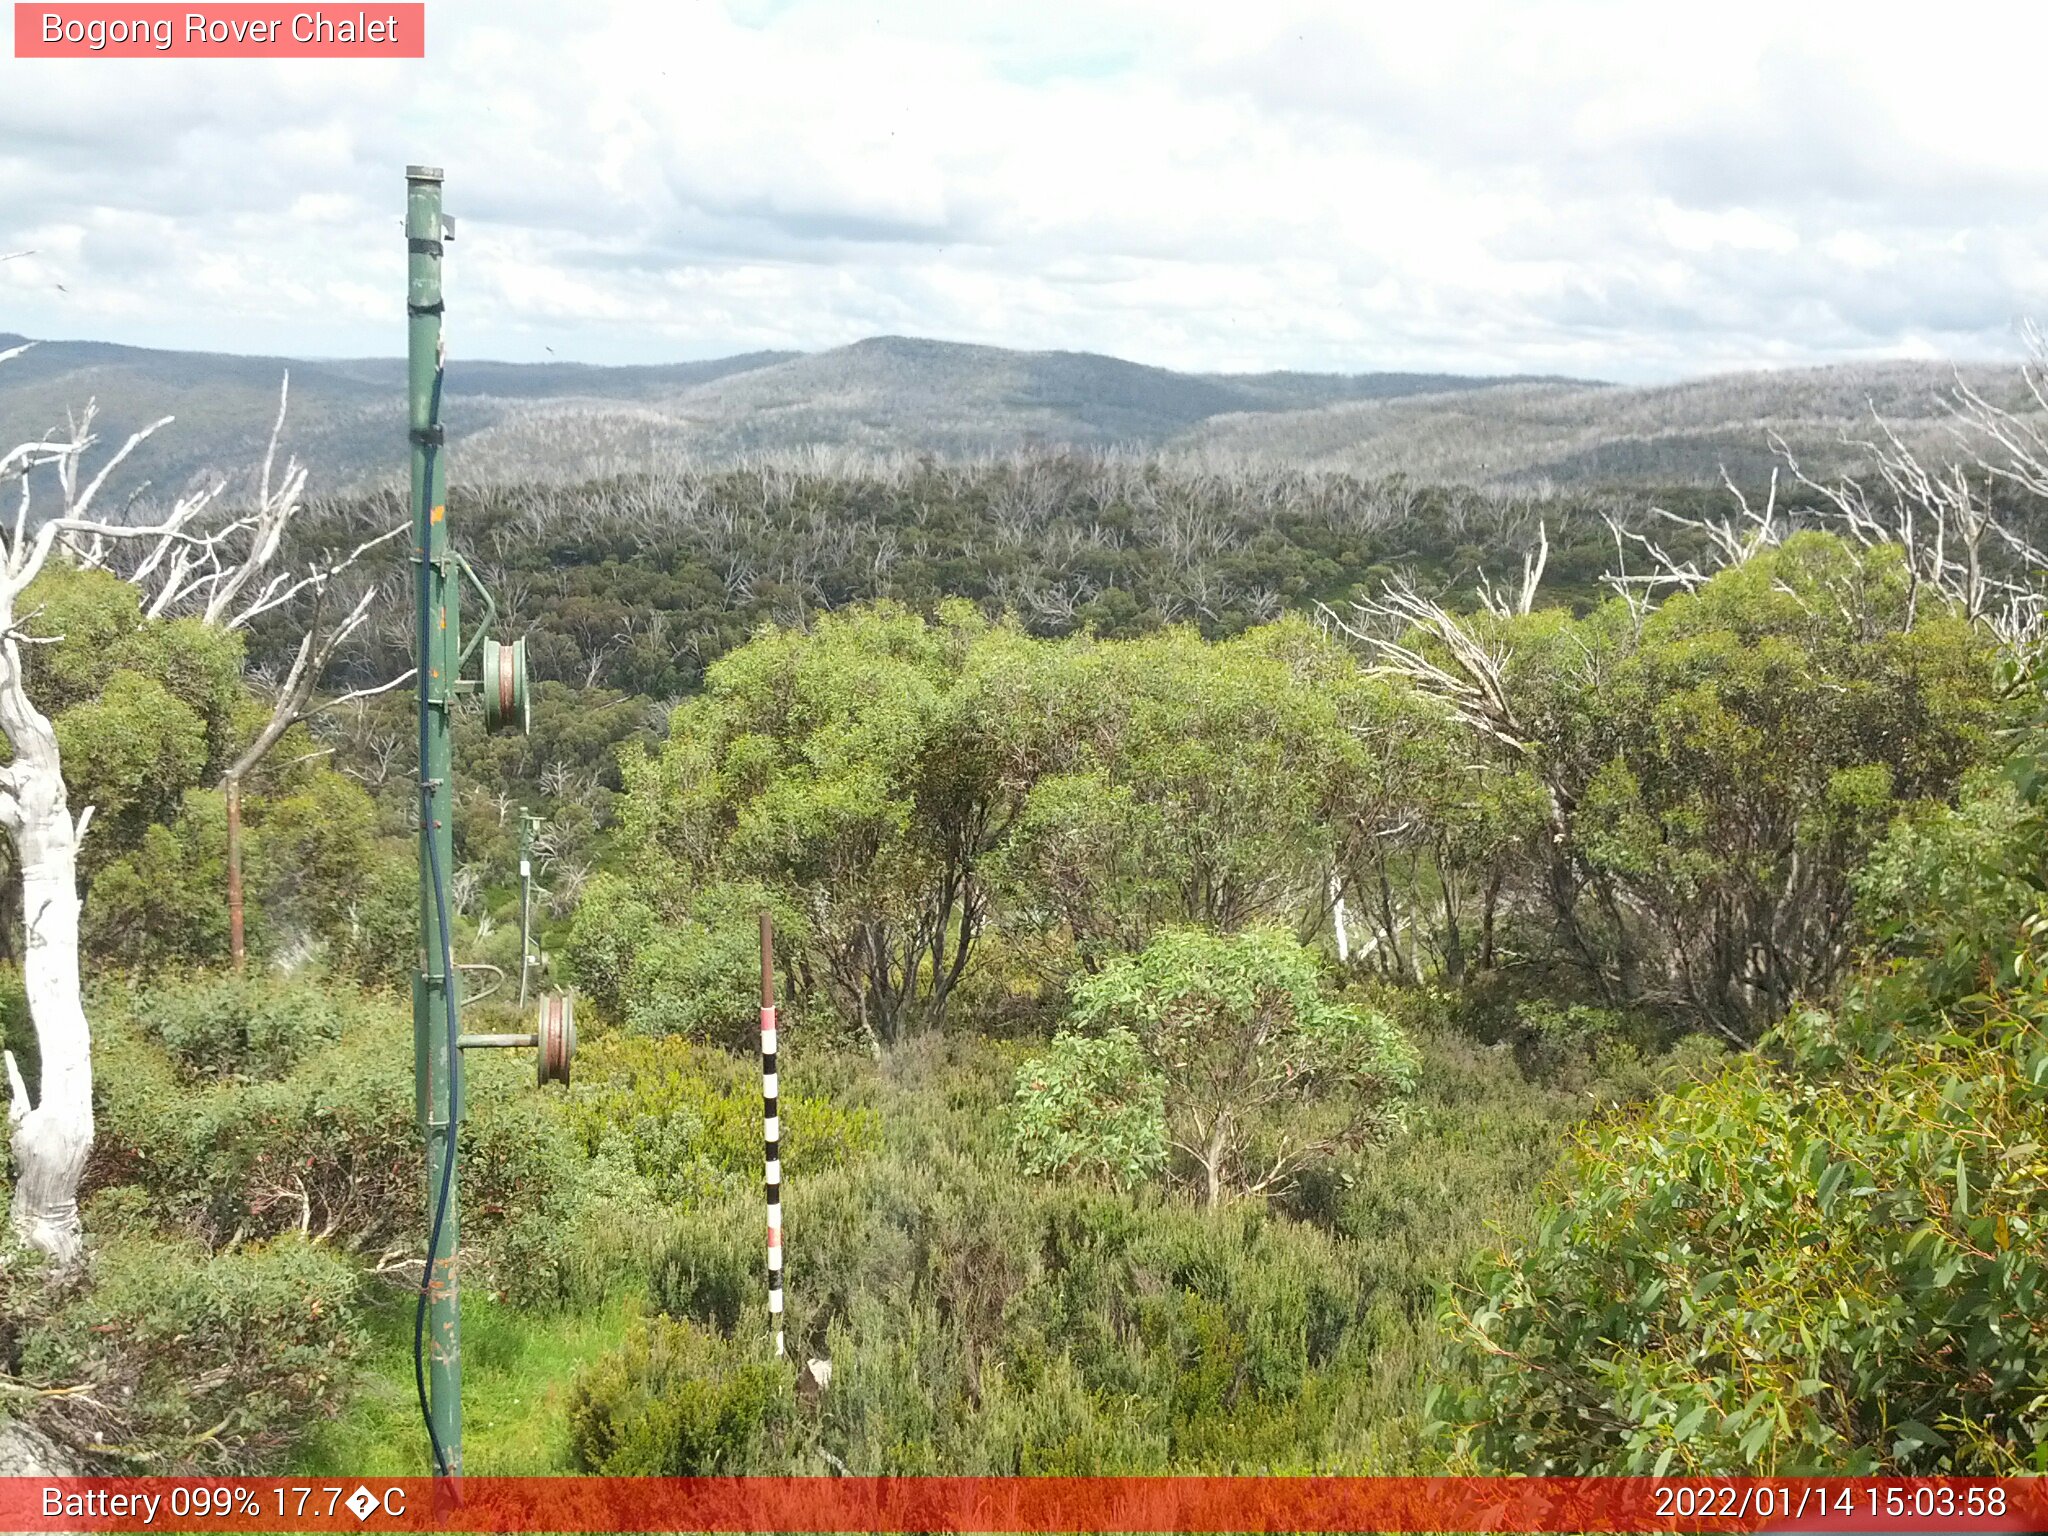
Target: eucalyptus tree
[(1824, 1253), (1715, 748), (1235, 1029), (849, 769), (1180, 782)]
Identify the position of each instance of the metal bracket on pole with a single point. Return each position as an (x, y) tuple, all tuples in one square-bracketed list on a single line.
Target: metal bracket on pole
[(553, 1040)]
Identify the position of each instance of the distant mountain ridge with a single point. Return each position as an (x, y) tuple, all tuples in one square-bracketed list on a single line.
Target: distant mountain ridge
[(1561, 434), (564, 422), (347, 415), (561, 420)]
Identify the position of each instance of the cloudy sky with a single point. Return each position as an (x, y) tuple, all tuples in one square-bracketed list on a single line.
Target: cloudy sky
[(1627, 191)]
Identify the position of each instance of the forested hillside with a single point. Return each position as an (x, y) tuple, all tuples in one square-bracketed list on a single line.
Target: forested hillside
[(1281, 970)]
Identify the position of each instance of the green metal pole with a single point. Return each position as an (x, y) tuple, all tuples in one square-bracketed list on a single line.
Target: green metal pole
[(437, 1068)]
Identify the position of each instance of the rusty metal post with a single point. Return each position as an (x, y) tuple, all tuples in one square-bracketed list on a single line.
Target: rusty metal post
[(235, 945)]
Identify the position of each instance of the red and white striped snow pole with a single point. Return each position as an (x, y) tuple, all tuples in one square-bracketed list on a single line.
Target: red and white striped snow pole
[(772, 1125)]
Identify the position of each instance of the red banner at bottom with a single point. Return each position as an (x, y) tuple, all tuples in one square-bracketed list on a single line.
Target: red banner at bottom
[(1209, 1504)]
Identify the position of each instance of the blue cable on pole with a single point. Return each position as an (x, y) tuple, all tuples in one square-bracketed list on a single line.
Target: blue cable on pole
[(447, 957)]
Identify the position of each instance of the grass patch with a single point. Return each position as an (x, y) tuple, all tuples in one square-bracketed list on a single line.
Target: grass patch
[(517, 1367)]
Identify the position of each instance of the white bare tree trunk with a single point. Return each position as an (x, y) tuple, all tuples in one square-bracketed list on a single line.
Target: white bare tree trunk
[(53, 1137), (1337, 919)]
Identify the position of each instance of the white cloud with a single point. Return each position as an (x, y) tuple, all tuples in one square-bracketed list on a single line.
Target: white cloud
[(1604, 188)]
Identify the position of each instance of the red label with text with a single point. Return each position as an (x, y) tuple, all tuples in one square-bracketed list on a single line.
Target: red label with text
[(219, 32)]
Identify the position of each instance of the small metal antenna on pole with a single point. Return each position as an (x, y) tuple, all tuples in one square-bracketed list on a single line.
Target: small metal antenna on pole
[(772, 1125)]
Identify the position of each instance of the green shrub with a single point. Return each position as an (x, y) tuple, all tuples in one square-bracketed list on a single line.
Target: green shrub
[(1051, 1425), (1951, 885), (309, 844), (17, 1029), (610, 928), (215, 1363), (1091, 1106), (713, 1268), (688, 1117), (698, 982), (1784, 1271), (1607, 1055), (332, 1147), (672, 1402), (582, 1242), (377, 943), (1828, 1256), (977, 1325), (131, 751), (163, 902), (1234, 1309), (701, 977), (954, 1232), (238, 1026), (1236, 1029), (1014, 989)]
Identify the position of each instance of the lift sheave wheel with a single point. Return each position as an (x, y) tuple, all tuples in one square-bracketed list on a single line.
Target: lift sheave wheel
[(557, 1032), (507, 702)]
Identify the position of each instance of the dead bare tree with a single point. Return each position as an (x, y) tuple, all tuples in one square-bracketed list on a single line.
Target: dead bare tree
[(379, 750), (1941, 517), (1498, 603), (189, 562), (1469, 671), (225, 577), (293, 703)]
